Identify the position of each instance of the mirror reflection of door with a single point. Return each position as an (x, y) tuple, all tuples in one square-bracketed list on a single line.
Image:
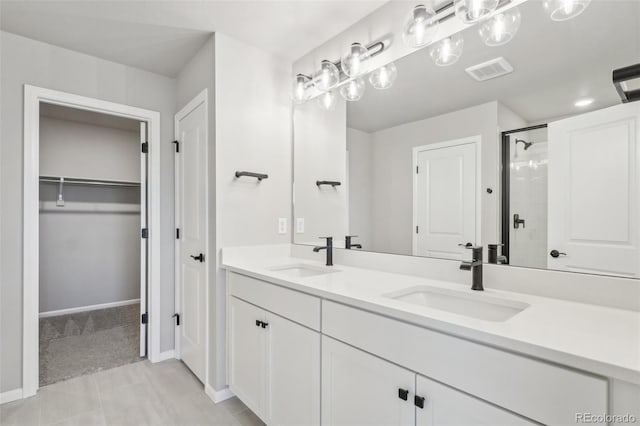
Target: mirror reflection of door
[(594, 192), (444, 198)]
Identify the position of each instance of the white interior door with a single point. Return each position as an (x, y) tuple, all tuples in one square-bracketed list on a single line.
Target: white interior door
[(191, 212), (444, 199), (593, 192), (143, 243)]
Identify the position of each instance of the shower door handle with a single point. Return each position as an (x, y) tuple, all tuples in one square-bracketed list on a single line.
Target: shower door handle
[(517, 221)]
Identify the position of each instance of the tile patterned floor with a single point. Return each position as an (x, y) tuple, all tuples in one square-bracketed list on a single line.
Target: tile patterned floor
[(164, 394)]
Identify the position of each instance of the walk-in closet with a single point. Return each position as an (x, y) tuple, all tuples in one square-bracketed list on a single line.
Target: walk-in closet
[(92, 255)]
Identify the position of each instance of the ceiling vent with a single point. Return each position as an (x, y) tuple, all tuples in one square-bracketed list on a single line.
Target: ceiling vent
[(491, 69)]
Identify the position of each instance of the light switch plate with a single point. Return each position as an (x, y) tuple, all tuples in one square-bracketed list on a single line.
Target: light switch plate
[(299, 225), (282, 225)]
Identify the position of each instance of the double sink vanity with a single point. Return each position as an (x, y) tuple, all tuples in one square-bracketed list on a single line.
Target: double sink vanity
[(311, 344)]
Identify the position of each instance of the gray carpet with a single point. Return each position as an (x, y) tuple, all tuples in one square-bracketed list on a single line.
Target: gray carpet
[(76, 344)]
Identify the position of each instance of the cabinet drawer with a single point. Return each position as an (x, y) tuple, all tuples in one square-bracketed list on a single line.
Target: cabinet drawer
[(291, 304), (537, 390)]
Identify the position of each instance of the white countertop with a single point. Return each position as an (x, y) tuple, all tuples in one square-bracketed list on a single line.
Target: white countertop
[(601, 340)]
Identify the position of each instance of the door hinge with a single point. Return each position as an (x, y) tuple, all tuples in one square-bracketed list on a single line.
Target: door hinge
[(145, 233), (177, 146), (417, 229), (143, 318), (177, 233), (177, 317), (417, 169), (145, 147)]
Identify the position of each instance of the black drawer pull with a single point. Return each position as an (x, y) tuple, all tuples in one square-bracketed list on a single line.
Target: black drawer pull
[(403, 394), (418, 401)]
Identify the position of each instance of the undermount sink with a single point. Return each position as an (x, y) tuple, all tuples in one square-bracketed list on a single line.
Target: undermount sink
[(474, 305), (303, 270)]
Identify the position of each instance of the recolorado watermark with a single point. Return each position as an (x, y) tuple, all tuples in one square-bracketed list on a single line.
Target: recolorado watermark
[(587, 418)]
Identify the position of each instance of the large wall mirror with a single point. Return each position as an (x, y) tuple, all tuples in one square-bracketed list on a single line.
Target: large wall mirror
[(525, 145)]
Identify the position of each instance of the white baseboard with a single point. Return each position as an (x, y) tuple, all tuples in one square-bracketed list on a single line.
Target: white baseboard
[(218, 396), (12, 395), (170, 354), (88, 308)]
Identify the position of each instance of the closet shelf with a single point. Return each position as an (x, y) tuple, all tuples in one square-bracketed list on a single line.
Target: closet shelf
[(83, 181)]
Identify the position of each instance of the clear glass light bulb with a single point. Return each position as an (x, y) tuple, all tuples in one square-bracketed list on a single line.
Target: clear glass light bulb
[(562, 10), (354, 61), (420, 26), (501, 28), (353, 90), (470, 11), (327, 77), (447, 51), (300, 93), (384, 77), (327, 100)]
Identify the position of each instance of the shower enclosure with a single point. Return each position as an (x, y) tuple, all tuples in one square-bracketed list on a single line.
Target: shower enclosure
[(525, 196)]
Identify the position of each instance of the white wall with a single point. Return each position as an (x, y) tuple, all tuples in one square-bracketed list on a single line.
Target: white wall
[(25, 61), (253, 133), (90, 248), (360, 150), (320, 154)]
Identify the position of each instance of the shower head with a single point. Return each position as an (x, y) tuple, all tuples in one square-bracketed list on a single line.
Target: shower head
[(526, 144)]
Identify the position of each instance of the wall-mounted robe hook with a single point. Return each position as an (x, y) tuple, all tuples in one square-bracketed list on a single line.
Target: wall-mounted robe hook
[(60, 200), (333, 183), (258, 176)]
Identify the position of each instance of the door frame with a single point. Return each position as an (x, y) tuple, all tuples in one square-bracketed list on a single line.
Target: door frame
[(474, 140), (33, 96), (200, 98)]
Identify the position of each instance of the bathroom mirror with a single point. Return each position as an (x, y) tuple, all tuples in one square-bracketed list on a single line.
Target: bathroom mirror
[(525, 145)]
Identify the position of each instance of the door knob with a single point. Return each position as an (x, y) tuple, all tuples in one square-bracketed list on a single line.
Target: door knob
[(199, 258), (556, 253)]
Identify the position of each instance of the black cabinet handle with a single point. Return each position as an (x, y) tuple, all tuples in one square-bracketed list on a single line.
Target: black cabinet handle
[(556, 253), (199, 258), (264, 324), (258, 322), (403, 394), (418, 401)]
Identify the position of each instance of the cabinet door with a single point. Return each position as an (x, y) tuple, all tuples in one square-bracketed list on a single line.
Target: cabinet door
[(293, 373), (445, 406), (361, 389), (247, 365)]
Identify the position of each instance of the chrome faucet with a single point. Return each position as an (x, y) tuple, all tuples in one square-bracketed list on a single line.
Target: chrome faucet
[(348, 244), (475, 266), (328, 248)]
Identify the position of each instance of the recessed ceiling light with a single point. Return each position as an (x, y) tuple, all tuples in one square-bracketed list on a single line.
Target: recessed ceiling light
[(581, 103)]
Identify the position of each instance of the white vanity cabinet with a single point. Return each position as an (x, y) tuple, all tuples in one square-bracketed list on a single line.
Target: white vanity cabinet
[(361, 389), (274, 362)]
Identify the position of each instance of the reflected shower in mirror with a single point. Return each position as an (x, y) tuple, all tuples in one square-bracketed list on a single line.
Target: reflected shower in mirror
[(525, 146)]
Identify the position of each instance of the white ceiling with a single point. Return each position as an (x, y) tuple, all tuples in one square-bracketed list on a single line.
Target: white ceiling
[(161, 36), (555, 64)]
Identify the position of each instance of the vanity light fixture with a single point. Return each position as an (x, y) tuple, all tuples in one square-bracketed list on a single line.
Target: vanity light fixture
[(447, 51), (563, 10), (300, 84), (353, 90), (327, 100), (384, 77), (327, 76), (501, 28), (582, 103), (470, 11), (420, 26), (354, 61)]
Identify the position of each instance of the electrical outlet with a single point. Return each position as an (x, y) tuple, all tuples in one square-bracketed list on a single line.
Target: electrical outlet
[(282, 225), (299, 225)]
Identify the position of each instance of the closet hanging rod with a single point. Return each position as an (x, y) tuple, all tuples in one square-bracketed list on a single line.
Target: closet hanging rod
[(94, 182)]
